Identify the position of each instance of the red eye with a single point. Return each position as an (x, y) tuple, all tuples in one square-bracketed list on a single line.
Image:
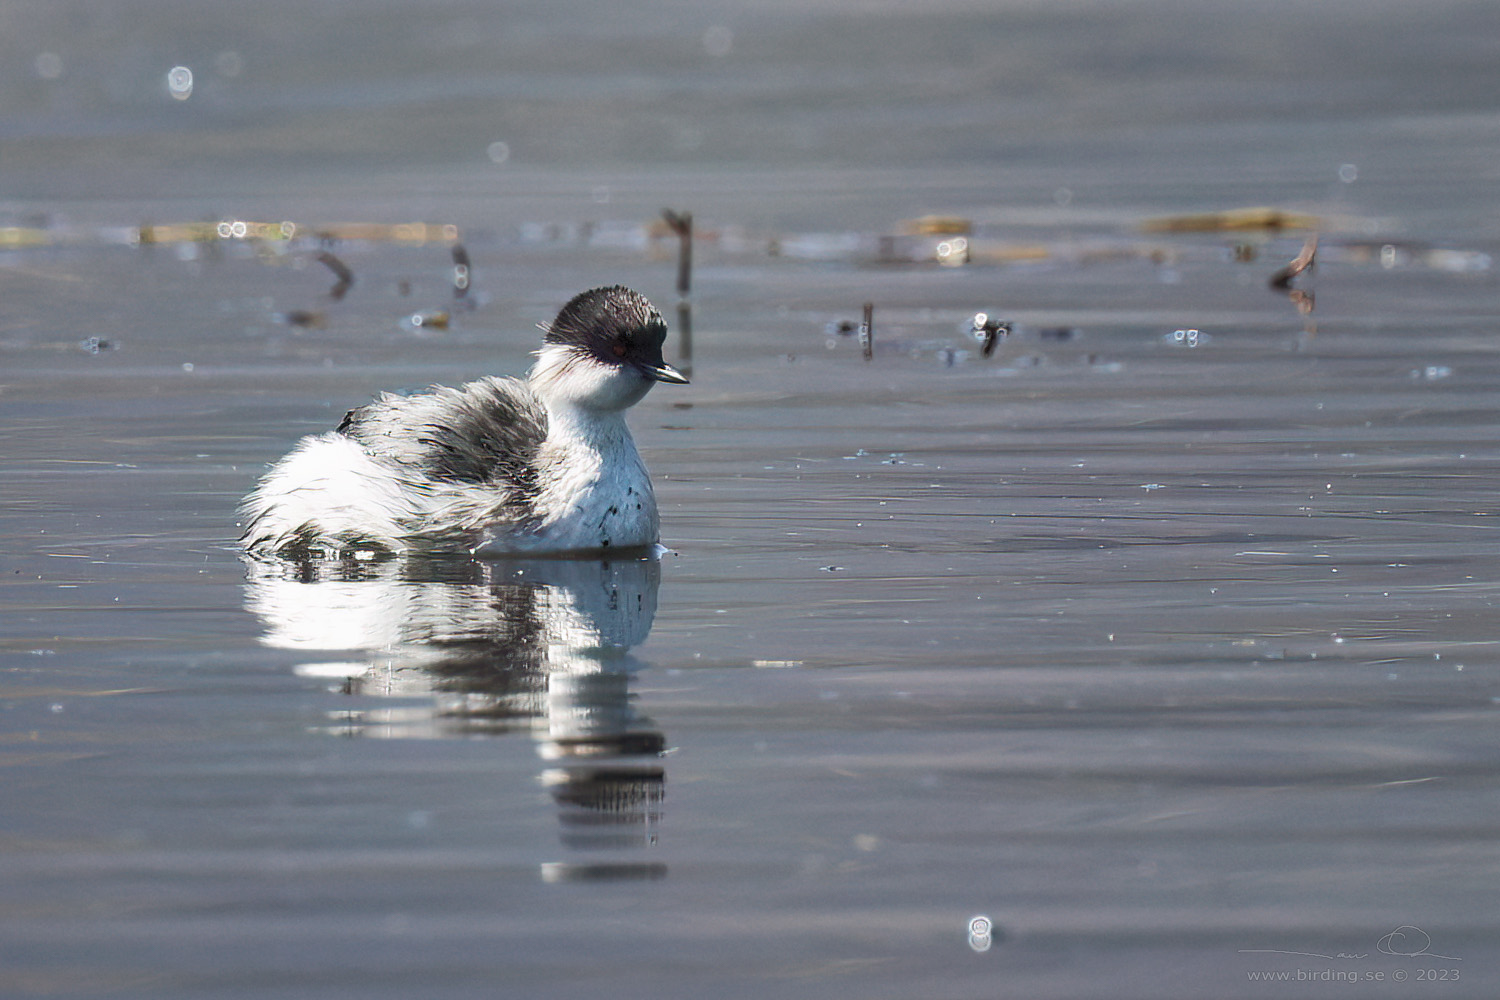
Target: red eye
[(620, 349)]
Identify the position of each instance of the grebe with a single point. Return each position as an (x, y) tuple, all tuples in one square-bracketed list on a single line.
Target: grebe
[(496, 466)]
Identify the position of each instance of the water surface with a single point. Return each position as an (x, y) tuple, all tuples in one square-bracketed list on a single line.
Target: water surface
[(1170, 653)]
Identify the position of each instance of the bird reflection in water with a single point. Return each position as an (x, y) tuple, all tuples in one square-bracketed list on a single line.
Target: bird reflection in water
[(540, 646)]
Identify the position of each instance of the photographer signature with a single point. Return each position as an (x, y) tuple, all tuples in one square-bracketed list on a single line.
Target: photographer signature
[(1405, 941)]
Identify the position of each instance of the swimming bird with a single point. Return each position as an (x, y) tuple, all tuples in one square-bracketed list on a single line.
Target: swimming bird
[(544, 464)]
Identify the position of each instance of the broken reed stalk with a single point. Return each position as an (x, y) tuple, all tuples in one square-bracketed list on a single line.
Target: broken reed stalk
[(461, 271), (681, 223), (1304, 261), (685, 338), (992, 331), (867, 331), (340, 271)]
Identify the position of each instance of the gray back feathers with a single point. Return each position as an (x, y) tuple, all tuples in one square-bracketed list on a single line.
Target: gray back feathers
[(485, 432)]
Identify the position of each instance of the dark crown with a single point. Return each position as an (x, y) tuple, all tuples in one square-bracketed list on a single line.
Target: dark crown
[(601, 315)]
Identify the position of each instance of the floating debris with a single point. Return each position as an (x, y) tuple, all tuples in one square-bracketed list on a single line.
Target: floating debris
[(1432, 373), (1304, 261), (938, 225), (433, 319), (243, 229), (989, 331), (187, 232), (22, 236), (94, 345), (1233, 220), (340, 271), (210, 232), (370, 232), (953, 252), (867, 332), (306, 319), (239, 229), (842, 328)]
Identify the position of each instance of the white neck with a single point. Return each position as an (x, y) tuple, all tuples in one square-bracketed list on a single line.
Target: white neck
[(571, 426), (569, 377)]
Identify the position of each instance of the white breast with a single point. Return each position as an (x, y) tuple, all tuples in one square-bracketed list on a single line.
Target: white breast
[(595, 492)]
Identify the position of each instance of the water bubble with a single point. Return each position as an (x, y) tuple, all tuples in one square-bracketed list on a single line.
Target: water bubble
[(981, 933), (498, 152), (1062, 197), (718, 40), (48, 65), (1348, 173), (1186, 338), (180, 82), (954, 252)]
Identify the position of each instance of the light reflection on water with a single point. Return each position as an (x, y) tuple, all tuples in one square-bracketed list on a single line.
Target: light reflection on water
[(537, 648)]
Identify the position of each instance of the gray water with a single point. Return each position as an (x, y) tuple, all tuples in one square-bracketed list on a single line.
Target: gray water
[(1163, 638)]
